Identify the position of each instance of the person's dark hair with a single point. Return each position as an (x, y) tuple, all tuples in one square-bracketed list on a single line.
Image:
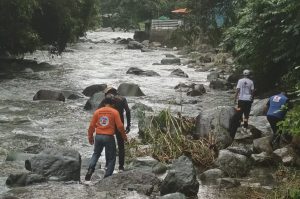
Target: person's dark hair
[(108, 100)]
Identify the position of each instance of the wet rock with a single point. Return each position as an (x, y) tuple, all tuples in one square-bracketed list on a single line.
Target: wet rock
[(49, 95), (265, 159), (141, 107), (181, 178), (71, 94), (143, 163), (91, 90), (258, 106), (170, 61), (62, 163), (213, 76), (128, 89), (155, 44), (146, 42), (137, 71), (135, 45), (216, 122), (197, 90), (263, 144), (141, 182), (210, 176), (219, 84), (94, 101), (228, 183), (24, 179), (178, 72), (184, 87), (173, 196), (235, 165)]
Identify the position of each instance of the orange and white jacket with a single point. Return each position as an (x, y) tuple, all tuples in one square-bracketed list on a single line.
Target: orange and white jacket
[(104, 121)]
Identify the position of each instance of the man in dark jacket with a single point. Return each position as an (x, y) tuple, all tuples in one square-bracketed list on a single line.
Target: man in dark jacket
[(120, 103)]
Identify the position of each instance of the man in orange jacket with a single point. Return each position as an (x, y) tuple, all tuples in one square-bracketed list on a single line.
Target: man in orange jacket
[(104, 122)]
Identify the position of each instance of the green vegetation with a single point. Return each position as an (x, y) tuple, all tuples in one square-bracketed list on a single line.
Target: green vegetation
[(28, 24), (170, 137)]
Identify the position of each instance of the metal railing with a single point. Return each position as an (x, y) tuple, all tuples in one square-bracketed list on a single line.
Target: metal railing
[(165, 24)]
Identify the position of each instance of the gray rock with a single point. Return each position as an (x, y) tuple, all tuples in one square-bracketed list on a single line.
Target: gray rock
[(142, 182), (49, 95), (24, 179), (219, 84), (197, 90), (265, 159), (62, 163), (146, 42), (135, 45), (258, 106), (235, 165), (141, 107), (216, 122), (91, 90), (127, 89), (228, 183), (170, 61), (143, 163), (94, 101), (245, 150), (71, 94), (288, 156), (159, 168), (213, 76), (137, 71), (181, 178), (263, 144), (210, 176), (173, 196), (178, 72), (261, 123)]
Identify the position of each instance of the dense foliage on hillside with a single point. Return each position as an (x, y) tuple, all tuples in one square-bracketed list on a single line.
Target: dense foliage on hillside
[(27, 24)]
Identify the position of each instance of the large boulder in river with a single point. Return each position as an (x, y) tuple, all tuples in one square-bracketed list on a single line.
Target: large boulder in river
[(141, 182), (24, 179), (49, 95), (137, 71), (181, 178), (128, 89), (170, 61), (216, 122), (234, 165), (58, 163), (197, 90), (91, 90), (94, 101)]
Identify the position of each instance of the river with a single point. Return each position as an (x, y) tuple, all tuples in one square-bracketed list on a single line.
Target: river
[(26, 123)]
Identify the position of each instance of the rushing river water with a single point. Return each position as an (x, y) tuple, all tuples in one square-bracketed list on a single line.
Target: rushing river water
[(25, 123)]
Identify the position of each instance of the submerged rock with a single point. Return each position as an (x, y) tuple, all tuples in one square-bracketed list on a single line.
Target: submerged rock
[(137, 71), (170, 61), (49, 95), (178, 72)]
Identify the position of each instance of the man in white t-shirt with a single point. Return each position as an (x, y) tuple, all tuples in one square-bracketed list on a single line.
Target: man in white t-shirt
[(244, 96)]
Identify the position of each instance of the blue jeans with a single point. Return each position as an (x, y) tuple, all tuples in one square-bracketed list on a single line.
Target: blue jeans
[(107, 141)]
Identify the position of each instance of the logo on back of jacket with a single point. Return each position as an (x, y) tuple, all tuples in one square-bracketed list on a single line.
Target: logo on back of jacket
[(104, 121)]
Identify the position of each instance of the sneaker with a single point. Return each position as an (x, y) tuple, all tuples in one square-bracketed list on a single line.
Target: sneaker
[(88, 175)]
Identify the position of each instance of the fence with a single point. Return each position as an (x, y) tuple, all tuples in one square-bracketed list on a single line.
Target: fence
[(165, 24)]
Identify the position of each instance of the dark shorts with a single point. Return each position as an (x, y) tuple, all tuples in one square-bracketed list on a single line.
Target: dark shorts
[(245, 107)]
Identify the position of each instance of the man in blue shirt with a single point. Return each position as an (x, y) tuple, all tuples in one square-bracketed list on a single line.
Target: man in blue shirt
[(276, 107)]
